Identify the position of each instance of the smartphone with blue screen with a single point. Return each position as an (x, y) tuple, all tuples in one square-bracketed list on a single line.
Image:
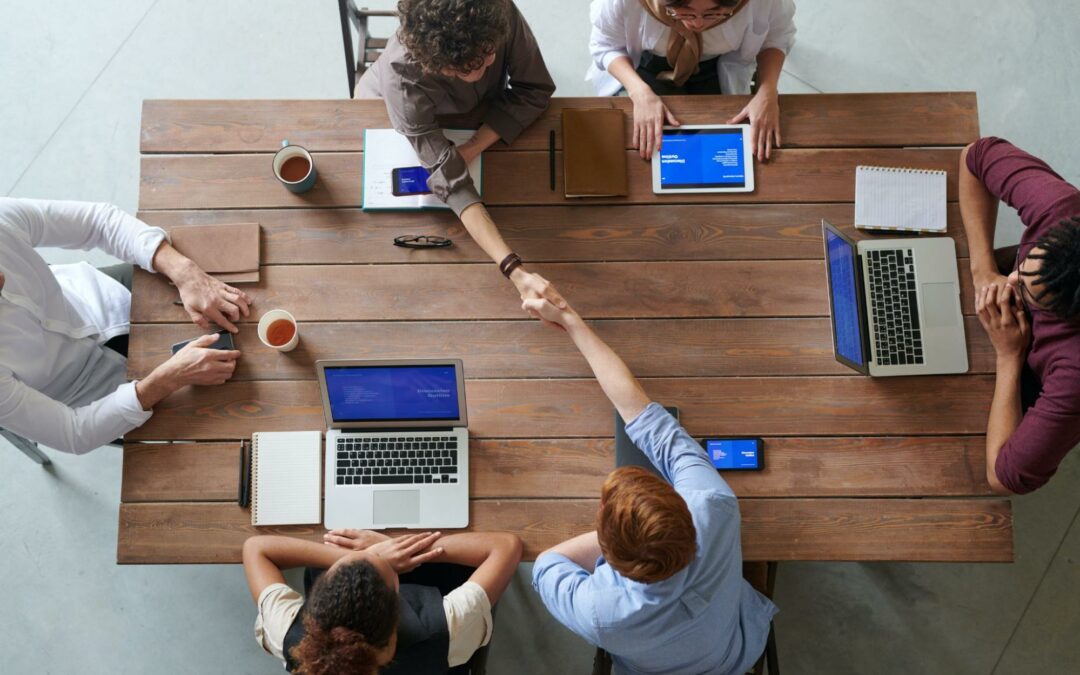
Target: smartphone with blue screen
[(735, 454), (410, 180)]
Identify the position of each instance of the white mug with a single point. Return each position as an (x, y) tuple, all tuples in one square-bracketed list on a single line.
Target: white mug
[(276, 315)]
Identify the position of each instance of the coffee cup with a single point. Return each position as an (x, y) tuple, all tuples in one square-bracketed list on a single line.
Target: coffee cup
[(278, 330), (295, 168)]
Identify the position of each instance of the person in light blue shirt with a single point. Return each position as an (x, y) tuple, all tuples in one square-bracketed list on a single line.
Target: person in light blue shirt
[(659, 584)]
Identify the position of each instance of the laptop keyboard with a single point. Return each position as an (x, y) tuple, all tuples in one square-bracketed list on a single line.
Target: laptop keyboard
[(894, 307), (397, 460)]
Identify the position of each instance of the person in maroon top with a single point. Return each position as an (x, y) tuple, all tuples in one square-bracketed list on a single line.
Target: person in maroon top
[(1028, 300)]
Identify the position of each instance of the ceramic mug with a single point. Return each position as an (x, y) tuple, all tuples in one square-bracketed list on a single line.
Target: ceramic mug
[(295, 168)]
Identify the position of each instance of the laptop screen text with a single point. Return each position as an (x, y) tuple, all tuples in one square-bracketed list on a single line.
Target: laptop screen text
[(392, 393)]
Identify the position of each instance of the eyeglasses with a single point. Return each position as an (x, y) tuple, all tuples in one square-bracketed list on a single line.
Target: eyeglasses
[(421, 241), (682, 15)]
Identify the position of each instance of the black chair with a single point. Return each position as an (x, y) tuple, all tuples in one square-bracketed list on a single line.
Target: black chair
[(361, 52)]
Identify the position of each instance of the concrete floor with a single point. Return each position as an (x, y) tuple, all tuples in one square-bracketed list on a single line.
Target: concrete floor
[(74, 74)]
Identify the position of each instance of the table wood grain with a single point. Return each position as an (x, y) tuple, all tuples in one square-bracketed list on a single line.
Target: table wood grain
[(717, 301)]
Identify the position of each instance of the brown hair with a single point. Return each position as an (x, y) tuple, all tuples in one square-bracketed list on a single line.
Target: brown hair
[(644, 527), (454, 34), (350, 616)]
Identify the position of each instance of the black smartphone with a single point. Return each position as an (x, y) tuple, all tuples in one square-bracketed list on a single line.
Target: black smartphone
[(735, 454), (223, 342), (410, 180)]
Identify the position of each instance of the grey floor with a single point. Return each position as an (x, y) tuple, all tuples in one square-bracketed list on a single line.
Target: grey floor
[(74, 73)]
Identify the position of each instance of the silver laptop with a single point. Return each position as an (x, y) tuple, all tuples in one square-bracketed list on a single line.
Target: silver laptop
[(895, 304), (397, 444)]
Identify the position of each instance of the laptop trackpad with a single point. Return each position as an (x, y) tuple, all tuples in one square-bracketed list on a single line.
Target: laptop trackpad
[(939, 305), (396, 507)]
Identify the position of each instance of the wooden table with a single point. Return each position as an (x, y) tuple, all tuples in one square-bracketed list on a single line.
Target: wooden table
[(717, 301)]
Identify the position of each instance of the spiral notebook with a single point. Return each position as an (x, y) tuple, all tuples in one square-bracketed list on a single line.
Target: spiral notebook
[(899, 200), (286, 478)]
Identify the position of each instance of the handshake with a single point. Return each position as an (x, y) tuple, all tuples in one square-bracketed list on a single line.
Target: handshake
[(542, 301)]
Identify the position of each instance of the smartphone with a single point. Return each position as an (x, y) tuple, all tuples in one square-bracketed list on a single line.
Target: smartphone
[(223, 342), (735, 454), (410, 180)]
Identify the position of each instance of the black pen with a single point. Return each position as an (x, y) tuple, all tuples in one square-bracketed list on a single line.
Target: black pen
[(551, 158)]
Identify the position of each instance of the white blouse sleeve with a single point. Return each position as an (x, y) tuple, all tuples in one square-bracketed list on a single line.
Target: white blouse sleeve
[(781, 33), (607, 41), (85, 226)]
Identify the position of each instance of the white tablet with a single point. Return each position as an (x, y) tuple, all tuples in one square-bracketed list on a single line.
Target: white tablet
[(704, 158)]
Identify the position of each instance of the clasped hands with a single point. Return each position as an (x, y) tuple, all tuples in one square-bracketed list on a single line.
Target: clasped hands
[(1002, 315), (404, 553)]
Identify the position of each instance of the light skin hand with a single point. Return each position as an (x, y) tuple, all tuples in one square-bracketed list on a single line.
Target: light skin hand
[(763, 110), (354, 540), (650, 112), (407, 552), (533, 287), (1004, 320), (206, 299), (195, 364), (483, 139)]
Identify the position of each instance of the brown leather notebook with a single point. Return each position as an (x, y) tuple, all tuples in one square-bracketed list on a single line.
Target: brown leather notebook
[(229, 252), (594, 159)]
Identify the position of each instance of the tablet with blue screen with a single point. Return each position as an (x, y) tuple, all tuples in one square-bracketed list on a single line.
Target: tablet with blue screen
[(704, 158)]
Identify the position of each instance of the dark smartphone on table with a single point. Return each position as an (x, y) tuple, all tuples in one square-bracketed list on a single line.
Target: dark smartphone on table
[(736, 453), (224, 342), (410, 180)]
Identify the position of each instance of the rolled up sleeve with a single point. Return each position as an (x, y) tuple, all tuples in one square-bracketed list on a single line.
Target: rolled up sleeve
[(781, 33), (678, 457), (468, 620), (33, 415), (607, 40), (562, 585)]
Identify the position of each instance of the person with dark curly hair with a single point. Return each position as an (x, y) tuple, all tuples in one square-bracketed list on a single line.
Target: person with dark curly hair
[(658, 585), (463, 57), (361, 617), (1028, 300)]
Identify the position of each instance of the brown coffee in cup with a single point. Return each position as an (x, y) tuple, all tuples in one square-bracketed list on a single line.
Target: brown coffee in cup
[(295, 169)]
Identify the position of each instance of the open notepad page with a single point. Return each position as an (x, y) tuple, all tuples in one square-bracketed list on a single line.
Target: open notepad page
[(911, 200), (386, 150), (286, 478)]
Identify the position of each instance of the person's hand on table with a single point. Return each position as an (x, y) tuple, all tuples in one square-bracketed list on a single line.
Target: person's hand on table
[(208, 300), (198, 364), (650, 116), (1004, 320), (763, 111), (356, 540), (409, 551)]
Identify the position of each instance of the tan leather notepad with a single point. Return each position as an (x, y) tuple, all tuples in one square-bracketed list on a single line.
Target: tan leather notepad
[(229, 252), (594, 159)]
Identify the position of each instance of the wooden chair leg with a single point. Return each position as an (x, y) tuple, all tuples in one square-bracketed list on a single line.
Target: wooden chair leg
[(28, 447)]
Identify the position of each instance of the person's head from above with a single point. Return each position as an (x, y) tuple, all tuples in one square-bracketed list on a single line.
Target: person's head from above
[(454, 38), (644, 527), (700, 15), (351, 618), (1047, 273)]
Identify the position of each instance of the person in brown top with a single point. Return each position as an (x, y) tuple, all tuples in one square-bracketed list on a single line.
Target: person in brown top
[(454, 57), (1028, 301)]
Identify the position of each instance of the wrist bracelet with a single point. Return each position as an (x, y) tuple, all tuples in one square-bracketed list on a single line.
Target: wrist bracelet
[(509, 264)]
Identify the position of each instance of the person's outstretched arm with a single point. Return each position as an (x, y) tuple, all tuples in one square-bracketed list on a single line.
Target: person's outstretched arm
[(978, 210)]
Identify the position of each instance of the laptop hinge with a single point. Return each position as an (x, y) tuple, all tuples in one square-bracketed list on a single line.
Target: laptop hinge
[(409, 430), (864, 310)]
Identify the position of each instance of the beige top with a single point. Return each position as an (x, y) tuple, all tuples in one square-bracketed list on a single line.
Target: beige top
[(468, 619)]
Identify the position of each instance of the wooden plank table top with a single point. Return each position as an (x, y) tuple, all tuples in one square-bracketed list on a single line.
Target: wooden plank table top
[(718, 302)]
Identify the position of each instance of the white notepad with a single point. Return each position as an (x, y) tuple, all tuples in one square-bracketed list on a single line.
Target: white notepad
[(286, 478), (911, 200), (386, 150)]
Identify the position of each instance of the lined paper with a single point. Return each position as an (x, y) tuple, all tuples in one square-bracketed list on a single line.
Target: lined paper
[(286, 476), (911, 200)]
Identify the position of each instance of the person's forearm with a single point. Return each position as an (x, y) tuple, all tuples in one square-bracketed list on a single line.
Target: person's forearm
[(267, 555), (583, 550), (172, 263), (978, 210), (494, 555), (770, 63), (482, 229), (484, 138), (1005, 415), (623, 71), (619, 384), (156, 386)]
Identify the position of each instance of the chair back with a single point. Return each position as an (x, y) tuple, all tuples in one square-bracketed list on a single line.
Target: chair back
[(362, 50)]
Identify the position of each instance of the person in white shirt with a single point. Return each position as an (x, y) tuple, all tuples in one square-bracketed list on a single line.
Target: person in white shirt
[(360, 617), (654, 48), (62, 384)]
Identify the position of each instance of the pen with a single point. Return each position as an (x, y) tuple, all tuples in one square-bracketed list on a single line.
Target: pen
[(551, 158)]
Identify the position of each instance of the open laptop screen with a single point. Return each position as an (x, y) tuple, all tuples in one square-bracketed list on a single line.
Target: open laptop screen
[(843, 292), (393, 393)]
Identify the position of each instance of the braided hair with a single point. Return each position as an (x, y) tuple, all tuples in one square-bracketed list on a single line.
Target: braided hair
[(1059, 274)]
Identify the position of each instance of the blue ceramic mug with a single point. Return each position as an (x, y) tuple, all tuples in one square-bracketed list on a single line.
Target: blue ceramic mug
[(295, 168)]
